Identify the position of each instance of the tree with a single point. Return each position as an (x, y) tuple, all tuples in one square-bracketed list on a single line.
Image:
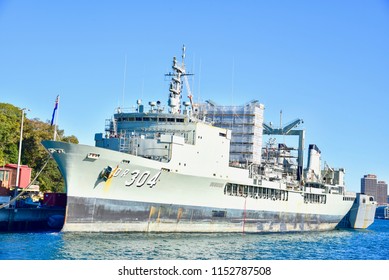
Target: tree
[(9, 133), (33, 153)]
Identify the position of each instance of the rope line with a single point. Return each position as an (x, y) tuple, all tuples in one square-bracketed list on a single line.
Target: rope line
[(25, 189)]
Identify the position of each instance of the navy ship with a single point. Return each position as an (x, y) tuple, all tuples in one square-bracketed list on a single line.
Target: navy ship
[(201, 167)]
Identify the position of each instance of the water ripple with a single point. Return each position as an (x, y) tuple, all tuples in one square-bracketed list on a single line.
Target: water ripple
[(371, 244)]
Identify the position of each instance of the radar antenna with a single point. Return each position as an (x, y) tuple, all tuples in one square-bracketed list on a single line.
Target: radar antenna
[(175, 88)]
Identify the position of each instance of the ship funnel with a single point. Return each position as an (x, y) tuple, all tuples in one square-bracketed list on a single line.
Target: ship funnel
[(313, 170)]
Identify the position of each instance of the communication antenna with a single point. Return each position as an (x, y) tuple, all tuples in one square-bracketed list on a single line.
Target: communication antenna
[(124, 77), (199, 83), (185, 75), (283, 133), (183, 54), (281, 119), (232, 80)]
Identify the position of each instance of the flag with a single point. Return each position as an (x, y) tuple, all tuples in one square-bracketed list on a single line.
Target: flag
[(55, 109)]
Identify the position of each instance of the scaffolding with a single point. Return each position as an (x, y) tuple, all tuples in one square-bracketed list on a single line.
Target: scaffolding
[(246, 125)]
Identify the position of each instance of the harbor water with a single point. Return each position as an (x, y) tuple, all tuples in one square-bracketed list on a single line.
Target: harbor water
[(369, 244)]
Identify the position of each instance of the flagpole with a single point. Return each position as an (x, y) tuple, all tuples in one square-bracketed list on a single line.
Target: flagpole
[(55, 117), (17, 185), (55, 132)]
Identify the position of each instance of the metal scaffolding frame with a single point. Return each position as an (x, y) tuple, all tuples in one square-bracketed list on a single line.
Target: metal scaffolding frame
[(246, 125)]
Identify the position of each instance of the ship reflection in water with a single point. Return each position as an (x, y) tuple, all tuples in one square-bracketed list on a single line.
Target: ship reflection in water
[(370, 244)]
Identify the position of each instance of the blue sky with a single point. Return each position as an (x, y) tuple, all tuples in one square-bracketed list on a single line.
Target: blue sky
[(326, 62)]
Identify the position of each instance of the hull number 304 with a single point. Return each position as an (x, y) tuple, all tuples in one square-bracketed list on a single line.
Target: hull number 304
[(138, 178)]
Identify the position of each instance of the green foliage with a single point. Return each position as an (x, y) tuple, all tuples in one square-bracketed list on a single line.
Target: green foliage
[(33, 153), (10, 117)]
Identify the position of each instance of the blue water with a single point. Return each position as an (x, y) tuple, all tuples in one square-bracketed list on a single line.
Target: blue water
[(370, 244)]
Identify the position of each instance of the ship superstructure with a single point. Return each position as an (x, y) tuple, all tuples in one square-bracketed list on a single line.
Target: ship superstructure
[(197, 168)]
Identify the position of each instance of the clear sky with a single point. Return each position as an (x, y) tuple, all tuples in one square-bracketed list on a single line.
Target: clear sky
[(325, 62)]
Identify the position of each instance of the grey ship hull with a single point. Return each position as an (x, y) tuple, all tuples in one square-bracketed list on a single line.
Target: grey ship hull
[(174, 199), (102, 215)]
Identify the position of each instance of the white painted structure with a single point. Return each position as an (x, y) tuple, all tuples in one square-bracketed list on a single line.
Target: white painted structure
[(176, 172)]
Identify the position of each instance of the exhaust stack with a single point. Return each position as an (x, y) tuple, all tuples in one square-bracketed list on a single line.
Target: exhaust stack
[(314, 163)]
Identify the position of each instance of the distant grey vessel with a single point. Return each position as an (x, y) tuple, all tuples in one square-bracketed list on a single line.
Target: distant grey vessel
[(201, 167)]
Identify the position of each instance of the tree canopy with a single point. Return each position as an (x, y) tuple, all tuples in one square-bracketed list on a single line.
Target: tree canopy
[(33, 153)]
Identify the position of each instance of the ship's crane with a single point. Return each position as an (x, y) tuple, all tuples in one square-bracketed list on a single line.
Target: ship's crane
[(268, 129), (289, 130)]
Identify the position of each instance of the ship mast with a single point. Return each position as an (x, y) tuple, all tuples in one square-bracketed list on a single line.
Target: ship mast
[(175, 88)]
